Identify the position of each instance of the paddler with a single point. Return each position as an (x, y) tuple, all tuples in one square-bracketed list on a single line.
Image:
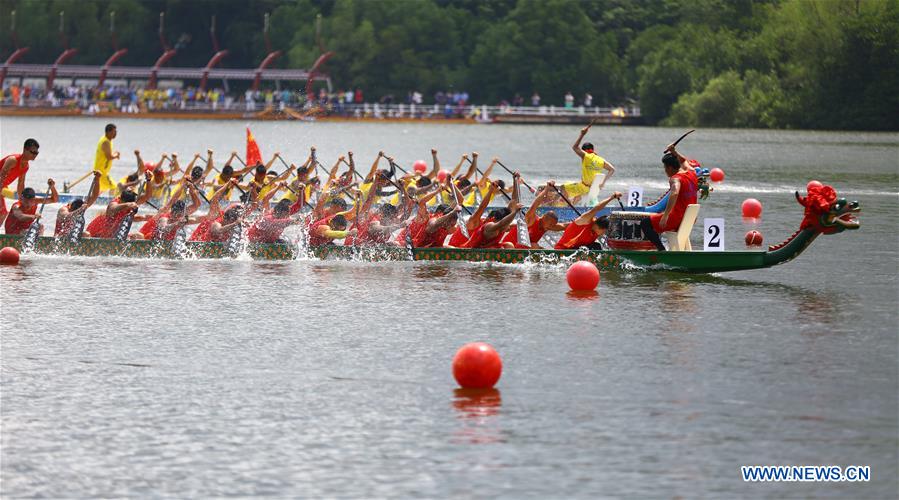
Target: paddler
[(24, 211), (591, 165), (538, 225), (106, 224), (682, 184), (215, 212), (132, 180), (150, 229), (177, 216), (158, 180), (103, 158), (65, 217), (268, 229), (458, 238), (14, 167), (490, 232), (584, 231)]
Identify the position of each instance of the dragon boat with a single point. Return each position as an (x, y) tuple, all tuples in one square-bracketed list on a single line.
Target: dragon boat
[(824, 214)]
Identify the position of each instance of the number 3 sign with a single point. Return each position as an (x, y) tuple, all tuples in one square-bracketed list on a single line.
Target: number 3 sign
[(635, 197), (713, 229)]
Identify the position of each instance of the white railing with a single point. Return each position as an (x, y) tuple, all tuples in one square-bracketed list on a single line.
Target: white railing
[(369, 110)]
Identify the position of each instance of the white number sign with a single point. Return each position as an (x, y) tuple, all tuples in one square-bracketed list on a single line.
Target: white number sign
[(713, 231), (635, 196)]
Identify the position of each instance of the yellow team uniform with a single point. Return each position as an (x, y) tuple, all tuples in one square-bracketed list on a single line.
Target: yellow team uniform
[(102, 165), (217, 184), (470, 199), (591, 165)]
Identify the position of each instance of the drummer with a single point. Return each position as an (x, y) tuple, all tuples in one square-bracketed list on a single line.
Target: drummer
[(583, 231)]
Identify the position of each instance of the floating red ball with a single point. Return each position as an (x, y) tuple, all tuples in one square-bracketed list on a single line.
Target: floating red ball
[(754, 238), (477, 366), (9, 256), (813, 184), (420, 167), (582, 275), (441, 175), (752, 208), (717, 175)]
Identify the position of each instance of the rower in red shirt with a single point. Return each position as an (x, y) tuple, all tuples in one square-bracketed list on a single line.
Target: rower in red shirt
[(682, 183), (489, 234), (537, 225), (105, 225), (24, 211), (14, 167), (458, 238), (215, 211), (583, 231), (268, 229), (68, 213), (437, 228)]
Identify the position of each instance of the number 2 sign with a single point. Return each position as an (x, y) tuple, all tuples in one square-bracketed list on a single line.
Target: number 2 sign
[(713, 231)]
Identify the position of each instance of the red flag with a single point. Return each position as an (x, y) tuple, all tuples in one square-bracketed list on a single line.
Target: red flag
[(253, 155)]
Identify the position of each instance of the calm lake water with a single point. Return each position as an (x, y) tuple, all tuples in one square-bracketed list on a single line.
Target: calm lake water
[(332, 379)]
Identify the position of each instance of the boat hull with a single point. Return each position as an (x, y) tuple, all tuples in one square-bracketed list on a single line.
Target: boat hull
[(691, 262)]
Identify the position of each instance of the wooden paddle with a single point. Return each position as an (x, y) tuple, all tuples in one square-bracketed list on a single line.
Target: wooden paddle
[(66, 186), (511, 173), (31, 234), (578, 212)]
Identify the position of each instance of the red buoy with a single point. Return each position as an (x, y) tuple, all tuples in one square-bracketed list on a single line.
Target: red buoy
[(813, 184), (9, 256), (752, 208), (477, 366), (420, 167), (441, 175), (754, 238), (717, 175), (582, 275)]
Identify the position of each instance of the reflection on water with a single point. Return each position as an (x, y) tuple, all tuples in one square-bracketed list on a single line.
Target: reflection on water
[(478, 413), (582, 295)]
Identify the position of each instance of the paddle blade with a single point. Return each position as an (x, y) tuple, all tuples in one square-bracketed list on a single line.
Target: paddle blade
[(460, 220), (409, 248), (235, 241), (524, 238), (74, 236), (179, 244), (124, 228), (30, 238)]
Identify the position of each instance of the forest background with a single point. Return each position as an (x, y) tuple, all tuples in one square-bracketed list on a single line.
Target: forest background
[(817, 64)]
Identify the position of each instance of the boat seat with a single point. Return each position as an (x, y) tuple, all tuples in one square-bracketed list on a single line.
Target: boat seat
[(680, 240)]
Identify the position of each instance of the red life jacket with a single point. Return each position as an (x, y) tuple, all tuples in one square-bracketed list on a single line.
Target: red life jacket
[(15, 226), (315, 239), (169, 234), (202, 230), (16, 171), (149, 227), (478, 240), (268, 229), (535, 232), (576, 236), (105, 227), (429, 240), (458, 239), (363, 227), (685, 196)]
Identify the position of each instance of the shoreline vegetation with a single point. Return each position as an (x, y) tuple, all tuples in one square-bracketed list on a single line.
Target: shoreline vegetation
[(779, 64)]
